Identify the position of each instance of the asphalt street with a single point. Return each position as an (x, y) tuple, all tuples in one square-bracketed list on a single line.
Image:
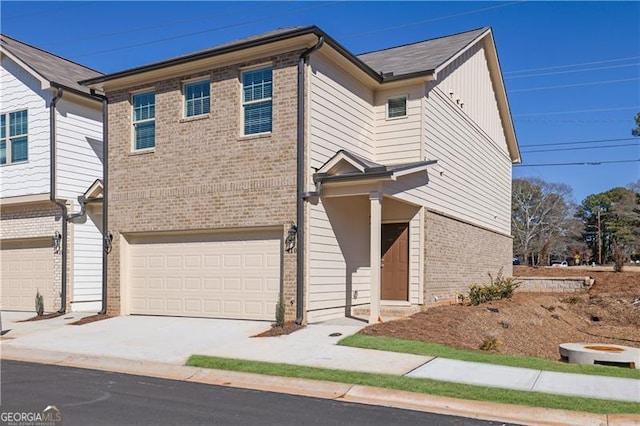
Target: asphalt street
[(103, 398)]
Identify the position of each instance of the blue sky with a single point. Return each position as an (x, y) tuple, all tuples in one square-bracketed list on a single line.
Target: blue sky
[(572, 69)]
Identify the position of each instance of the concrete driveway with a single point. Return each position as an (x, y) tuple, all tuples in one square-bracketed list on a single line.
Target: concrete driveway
[(173, 340)]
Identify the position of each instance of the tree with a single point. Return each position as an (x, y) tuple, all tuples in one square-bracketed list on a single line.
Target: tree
[(636, 130), (612, 224), (540, 219)]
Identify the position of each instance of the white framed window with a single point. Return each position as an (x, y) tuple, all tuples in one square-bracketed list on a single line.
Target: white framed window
[(144, 120), (14, 137), (397, 107), (197, 98), (257, 89)]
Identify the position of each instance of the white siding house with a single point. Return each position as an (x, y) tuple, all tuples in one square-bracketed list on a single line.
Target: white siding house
[(30, 79)]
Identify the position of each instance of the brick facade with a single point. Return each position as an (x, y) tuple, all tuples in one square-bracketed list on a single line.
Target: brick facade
[(37, 221), (458, 254), (202, 174)]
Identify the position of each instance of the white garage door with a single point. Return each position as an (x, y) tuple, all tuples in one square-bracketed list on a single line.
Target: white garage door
[(234, 276), (27, 267)]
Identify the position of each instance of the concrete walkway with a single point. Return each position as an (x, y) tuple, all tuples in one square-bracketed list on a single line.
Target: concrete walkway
[(172, 340)]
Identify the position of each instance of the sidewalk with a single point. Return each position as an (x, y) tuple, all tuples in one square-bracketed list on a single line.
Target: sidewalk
[(146, 342)]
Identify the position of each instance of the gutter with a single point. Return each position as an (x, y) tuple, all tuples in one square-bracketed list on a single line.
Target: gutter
[(106, 237), (52, 195), (300, 187)]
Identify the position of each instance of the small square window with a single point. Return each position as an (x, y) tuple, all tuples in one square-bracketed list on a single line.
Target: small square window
[(197, 98), (397, 107)]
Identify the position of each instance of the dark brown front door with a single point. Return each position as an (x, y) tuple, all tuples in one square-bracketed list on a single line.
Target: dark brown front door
[(395, 262)]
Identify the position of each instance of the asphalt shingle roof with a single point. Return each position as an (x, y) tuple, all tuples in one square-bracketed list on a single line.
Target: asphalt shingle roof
[(51, 67), (419, 57)]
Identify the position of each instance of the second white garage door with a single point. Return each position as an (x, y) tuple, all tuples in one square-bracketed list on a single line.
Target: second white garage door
[(233, 276)]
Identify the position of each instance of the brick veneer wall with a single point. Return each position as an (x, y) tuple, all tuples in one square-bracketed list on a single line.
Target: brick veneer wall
[(30, 221), (458, 254), (203, 175)]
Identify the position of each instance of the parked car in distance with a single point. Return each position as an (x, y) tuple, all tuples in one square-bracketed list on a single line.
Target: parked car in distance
[(516, 260), (562, 264)]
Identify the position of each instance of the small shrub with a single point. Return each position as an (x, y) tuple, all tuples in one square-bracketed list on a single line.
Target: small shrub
[(39, 304), (490, 344), (499, 288), (571, 300), (280, 312)]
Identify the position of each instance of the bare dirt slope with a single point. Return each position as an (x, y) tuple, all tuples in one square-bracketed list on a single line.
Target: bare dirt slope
[(534, 324)]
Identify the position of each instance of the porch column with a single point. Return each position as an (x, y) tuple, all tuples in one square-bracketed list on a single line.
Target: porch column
[(375, 199)]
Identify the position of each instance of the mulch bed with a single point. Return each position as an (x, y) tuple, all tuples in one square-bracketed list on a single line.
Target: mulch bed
[(43, 317), (90, 319), (275, 330)]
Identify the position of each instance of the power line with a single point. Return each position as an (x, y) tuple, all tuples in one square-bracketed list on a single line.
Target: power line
[(585, 163), (582, 148), (541, 120), (579, 142), (577, 111), (411, 24), (224, 27), (573, 71), (573, 65), (593, 83), (155, 26)]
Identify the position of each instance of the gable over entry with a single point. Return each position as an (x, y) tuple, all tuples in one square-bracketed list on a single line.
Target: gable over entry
[(372, 227)]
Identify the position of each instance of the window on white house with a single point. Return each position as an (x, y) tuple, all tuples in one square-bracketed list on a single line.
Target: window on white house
[(144, 120), (14, 139), (197, 98), (256, 100), (397, 107)]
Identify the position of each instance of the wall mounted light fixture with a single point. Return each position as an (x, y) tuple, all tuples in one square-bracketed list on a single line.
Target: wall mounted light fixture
[(290, 241), (57, 238)]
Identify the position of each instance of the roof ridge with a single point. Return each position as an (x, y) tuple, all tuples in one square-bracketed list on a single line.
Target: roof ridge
[(423, 41), (3, 35)]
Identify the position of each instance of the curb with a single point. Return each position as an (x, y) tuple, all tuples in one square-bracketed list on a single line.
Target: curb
[(481, 410)]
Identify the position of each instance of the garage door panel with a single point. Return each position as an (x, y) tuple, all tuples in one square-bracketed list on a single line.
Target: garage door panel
[(26, 268), (227, 279)]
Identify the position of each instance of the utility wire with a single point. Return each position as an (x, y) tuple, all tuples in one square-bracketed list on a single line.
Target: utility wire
[(593, 83), (577, 111), (224, 27), (156, 26), (441, 18), (627, 145), (579, 142), (573, 65), (573, 71), (585, 163)]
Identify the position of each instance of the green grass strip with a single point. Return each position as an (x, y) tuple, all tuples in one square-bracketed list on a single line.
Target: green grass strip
[(434, 349), (426, 386)]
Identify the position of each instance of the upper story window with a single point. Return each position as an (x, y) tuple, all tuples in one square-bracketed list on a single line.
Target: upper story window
[(144, 120), (14, 145), (197, 98), (256, 100), (397, 107)]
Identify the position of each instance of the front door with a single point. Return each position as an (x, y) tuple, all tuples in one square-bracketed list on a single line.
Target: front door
[(395, 262)]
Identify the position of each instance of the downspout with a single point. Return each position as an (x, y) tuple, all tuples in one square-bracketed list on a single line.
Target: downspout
[(106, 238), (52, 196), (302, 62)]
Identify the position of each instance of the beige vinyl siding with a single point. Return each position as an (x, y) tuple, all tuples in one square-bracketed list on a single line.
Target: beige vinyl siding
[(469, 79), (20, 90), (341, 113), (472, 179), (79, 155), (339, 258), (398, 140), (341, 117)]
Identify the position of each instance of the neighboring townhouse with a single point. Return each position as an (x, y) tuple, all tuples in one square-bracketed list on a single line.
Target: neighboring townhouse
[(42, 106), (282, 166)]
